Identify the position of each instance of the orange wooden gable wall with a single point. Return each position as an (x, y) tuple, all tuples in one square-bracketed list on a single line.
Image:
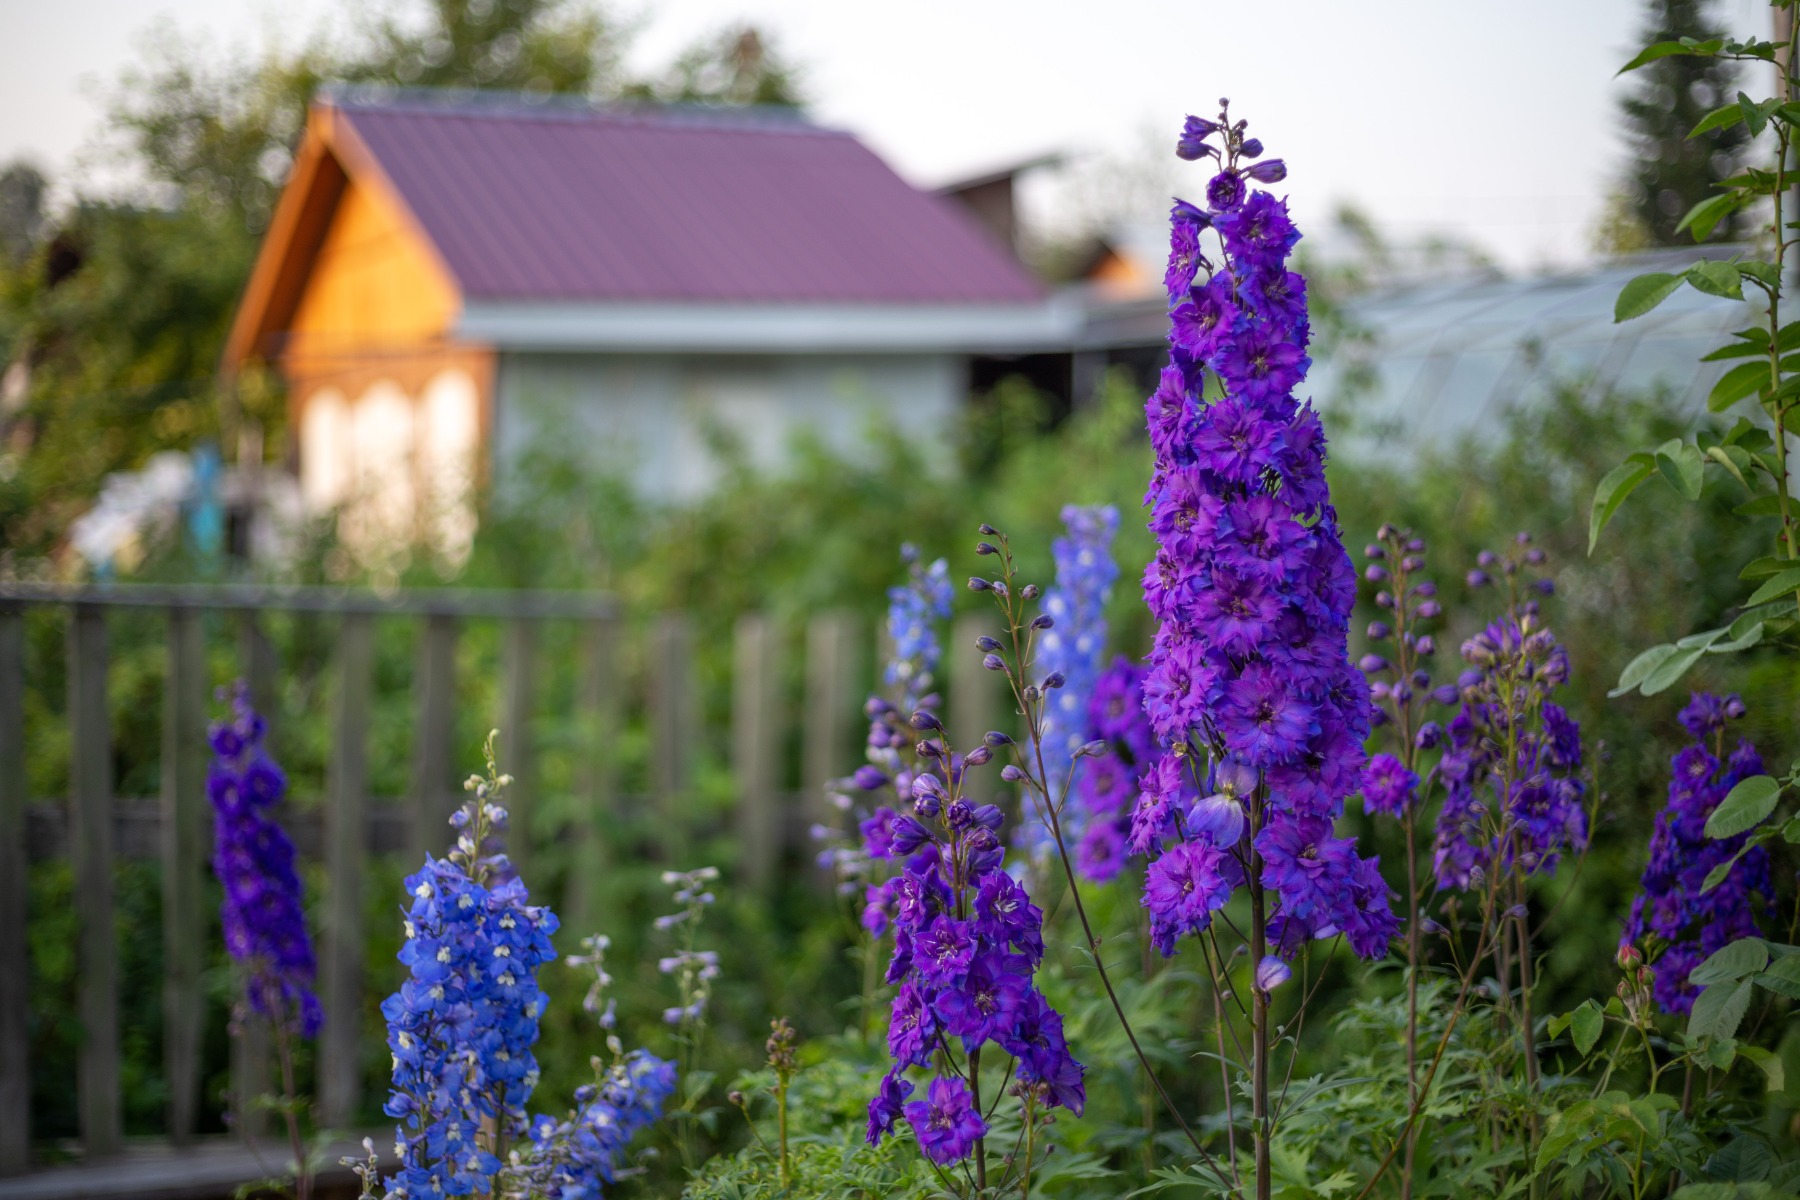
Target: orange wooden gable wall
[(351, 304)]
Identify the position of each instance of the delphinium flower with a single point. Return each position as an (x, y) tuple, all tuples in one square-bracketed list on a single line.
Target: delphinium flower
[(693, 970), (462, 1027), (874, 791), (1512, 756), (1396, 780), (1106, 787), (264, 913), (1073, 644), (1251, 689), (575, 1157), (1674, 910), (967, 942)]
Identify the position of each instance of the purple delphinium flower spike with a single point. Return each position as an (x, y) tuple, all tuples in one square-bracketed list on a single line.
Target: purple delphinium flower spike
[(1250, 686), (263, 914), (1673, 907)]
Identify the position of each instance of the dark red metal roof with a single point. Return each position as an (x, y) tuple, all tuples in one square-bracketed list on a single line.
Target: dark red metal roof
[(558, 203)]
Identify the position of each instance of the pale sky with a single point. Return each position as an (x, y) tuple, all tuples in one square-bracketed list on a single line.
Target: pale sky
[(1493, 121)]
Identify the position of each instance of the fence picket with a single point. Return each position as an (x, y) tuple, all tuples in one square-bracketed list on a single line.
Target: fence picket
[(596, 772), (518, 658), (91, 845), (434, 791), (184, 828), (339, 1066), (15, 997), (672, 729), (756, 731), (831, 640)]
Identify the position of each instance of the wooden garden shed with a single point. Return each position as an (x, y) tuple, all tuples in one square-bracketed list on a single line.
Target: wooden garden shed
[(450, 281)]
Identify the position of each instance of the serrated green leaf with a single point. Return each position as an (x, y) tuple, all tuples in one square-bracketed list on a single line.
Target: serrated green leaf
[(1746, 806), (1719, 1010), (1651, 53), (1774, 587), (1762, 506), (1767, 565), (1722, 117), (1747, 433), (1643, 294), (1682, 464), (1782, 977), (1705, 216), (1716, 279), (1639, 668), (1770, 1064), (1618, 483), (1741, 958), (1734, 385), (1790, 833)]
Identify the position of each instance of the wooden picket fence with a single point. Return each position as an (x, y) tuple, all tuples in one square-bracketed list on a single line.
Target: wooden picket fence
[(93, 827)]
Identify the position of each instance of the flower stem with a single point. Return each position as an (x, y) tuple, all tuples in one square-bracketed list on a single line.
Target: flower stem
[(302, 1176)]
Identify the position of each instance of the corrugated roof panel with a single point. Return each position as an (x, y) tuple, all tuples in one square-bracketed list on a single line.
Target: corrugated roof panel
[(552, 204)]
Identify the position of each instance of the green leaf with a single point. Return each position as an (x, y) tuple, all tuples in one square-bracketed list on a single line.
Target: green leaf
[(1639, 668), (1734, 385), (1756, 116), (1748, 434), (1716, 279), (1651, 53), (1619, 483), (1722, 117), (1762, 506), (1719, 1010), (1790, 833), (1675, 666), (1736, 350), (1733, 459), (1782, 977), (1745, 807), (1746, 956), (1586, 1027), (1775, 587), (1752, 635), (1643, 294), (1683, 466), (1770, 1063), (1705, 216), (1767, 565)]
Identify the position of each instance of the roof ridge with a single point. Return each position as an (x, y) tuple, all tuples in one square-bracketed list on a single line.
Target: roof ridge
[(565, 107)]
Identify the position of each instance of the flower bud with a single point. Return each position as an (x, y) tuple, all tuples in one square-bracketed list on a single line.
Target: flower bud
[(1424, 588), (980, 756), (1421, 679), (1431, 733), (869, 777), (1545, 586), (1476, 579), (1271, 171), (1374, 551), (1629, 957), (1412, 563), (1252, 148), (923, 719), (984, 642), (1011, 773), (1415, 546), (994, 662), (928, 750), (1054, 679), (994, 737), (1375, 573), (1379, 631), (1029, 591), (1043, 621), (977, 584), (1093, 749), (1387, 532), (1384, 599), (1486, 558), (1522, 537), (1371, 664), (1219, 818), (1427, 645), (1271, 973), (988, 531), (1429, 610), (985, 548)]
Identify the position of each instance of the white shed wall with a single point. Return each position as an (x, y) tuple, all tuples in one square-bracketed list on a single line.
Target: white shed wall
[(647, 416)]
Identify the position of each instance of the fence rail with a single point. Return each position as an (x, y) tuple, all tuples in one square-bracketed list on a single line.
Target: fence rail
[(94, 828)]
